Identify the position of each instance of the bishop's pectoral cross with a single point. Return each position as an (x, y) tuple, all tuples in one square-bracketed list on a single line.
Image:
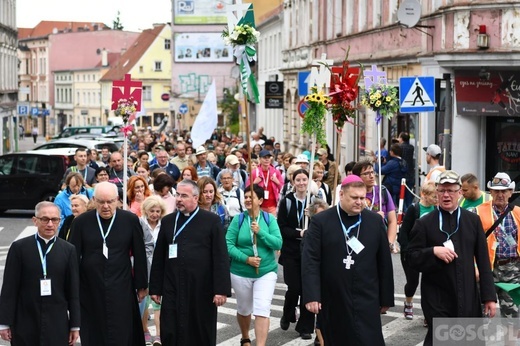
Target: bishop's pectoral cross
[(348, 262)]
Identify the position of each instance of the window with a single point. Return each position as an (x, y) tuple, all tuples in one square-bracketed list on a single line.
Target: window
[(167, 44), (147, 93), (158, 66), (6, 164)]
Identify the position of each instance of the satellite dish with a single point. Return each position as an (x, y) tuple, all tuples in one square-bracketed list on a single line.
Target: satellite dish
[(409, 13)]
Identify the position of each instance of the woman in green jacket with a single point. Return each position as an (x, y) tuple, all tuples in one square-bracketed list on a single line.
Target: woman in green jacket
[(252, 239)]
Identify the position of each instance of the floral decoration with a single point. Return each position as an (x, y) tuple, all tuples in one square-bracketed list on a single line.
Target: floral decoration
[(382, 99), (243, 39), (343, 92), (242, 34), (126, 108), (314, 119)]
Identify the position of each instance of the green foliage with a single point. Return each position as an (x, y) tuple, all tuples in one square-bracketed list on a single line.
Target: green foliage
[(116, 24), (229, 106), (314, 119)]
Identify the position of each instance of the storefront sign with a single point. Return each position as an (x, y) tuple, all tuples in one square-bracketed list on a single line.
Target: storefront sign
[(498, 95), (200, 12), (273, 94)]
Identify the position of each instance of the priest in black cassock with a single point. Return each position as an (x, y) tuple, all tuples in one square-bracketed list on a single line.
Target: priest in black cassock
[(190, 271), (445, 245), (106, 238), (39, 304), (347, 269)]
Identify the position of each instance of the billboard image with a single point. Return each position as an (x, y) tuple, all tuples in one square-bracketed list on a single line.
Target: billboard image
[(201, 47), (199, 12)]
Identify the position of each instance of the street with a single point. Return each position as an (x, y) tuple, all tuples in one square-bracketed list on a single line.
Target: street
[(397, 330)]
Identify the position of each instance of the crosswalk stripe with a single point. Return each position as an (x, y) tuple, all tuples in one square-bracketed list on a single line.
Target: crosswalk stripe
[(1, 228), (29, 230)]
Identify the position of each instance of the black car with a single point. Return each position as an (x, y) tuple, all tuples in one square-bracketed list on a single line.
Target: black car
[(29, 178)]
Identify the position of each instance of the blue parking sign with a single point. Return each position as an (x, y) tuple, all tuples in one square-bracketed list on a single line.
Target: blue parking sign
[(23, 110), (34, 111)]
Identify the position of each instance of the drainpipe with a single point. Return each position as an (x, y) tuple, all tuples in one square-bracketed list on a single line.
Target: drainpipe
[(448, 116)]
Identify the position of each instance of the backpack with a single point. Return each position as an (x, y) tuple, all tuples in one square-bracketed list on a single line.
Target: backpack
[(241, 218), (237, 191)]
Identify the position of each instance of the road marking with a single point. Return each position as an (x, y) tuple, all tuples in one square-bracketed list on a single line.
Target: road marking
[(1, 228), (28, 231)]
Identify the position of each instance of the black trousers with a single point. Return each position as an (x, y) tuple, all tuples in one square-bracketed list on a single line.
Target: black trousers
[(412, 277), (292, 276)]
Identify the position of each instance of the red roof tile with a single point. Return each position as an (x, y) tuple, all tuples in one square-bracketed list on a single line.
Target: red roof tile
[(45, 28), (133, 54)]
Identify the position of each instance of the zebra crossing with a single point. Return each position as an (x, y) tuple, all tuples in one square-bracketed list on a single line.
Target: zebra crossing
[(395, 326)]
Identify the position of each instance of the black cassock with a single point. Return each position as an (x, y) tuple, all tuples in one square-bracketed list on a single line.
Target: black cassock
[(350, 298), (37, 320), (189, 282), (450, 290), (109, 309)]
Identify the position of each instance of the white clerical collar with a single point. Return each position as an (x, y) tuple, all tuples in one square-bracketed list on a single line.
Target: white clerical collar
[(46, 240)]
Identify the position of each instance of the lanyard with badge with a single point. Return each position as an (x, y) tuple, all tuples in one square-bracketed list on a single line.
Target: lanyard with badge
[(255, 248), (172, 250), (448, 243), (45, 284), (266, 182), (105, 235), (299, 214), (352, 242)]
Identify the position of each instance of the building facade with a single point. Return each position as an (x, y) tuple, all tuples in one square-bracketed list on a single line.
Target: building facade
[(8, 76), (471, 49)]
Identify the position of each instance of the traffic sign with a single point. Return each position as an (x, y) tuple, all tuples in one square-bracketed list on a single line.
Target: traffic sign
[(23, 110), (417, 94), (34, 111), (303, 83), (302, 107), (183, 109)]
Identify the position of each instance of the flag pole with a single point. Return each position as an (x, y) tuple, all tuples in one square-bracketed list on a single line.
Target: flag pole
[(338, 160)]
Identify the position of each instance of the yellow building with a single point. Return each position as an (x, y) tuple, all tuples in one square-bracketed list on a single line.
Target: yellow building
[(148, 60)]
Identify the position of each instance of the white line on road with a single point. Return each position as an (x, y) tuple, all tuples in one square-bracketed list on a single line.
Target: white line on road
[(1, 228), (28, 231)]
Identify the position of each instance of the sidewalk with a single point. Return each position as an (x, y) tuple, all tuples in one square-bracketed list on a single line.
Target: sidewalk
[(28, 144)]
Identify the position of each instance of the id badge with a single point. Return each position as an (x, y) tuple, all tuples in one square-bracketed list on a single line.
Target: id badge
[(45, 287), (355, 245), (172, 251), (266, 194), (510, 240), (449, 244), (105, 250)]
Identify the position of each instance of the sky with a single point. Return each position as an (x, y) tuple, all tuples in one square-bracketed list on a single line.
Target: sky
[(135, 15)]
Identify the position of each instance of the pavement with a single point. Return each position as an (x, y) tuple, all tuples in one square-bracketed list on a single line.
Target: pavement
[(28, 144)]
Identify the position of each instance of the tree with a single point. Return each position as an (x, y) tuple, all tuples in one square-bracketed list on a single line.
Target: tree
[(229, 106), (117, 25)]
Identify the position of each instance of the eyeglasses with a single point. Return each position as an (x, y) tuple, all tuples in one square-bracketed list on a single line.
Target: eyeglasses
[(184, 196), (226, 178), (500, 182), (450, 192), (368, 173), (110, 201), (45, 220)]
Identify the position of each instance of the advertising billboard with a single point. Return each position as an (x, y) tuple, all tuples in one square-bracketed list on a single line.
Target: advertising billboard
[(201, 47), (202, 12)]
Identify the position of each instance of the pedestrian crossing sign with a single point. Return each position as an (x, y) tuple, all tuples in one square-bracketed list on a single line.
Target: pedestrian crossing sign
[(417, 94)]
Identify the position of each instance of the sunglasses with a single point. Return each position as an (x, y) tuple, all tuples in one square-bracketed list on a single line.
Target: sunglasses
[(500, 182)]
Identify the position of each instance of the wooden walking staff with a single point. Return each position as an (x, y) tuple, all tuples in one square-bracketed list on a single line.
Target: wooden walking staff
[(245, 53), (124, 94), (343, 92), (319, 78), (375, 76)]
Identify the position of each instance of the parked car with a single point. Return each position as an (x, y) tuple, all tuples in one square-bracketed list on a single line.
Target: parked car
[(78, 143), (29, 178), (77, 130)]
